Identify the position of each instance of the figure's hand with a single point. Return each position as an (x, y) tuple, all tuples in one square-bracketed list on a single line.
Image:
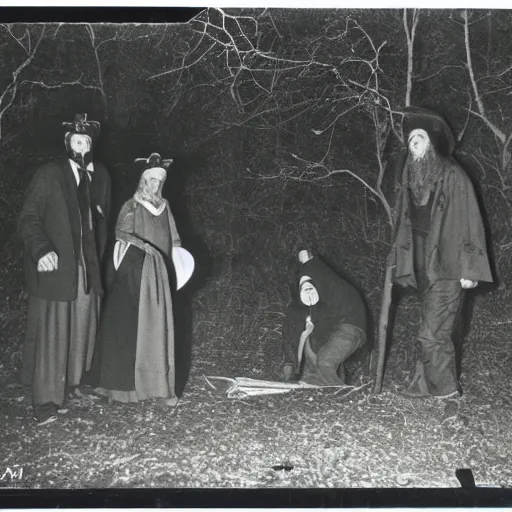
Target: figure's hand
[(390, 259), (48, 263), (309, 325), (288, 371), (467, 284)]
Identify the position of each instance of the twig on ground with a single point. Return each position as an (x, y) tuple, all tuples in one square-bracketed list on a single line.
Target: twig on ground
[(123, 460), (352, 390)]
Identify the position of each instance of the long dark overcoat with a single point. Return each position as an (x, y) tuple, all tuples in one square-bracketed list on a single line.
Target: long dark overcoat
[(50, 221)]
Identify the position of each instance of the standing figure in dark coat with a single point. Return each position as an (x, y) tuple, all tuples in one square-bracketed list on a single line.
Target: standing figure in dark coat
[(63, 225), (439, 246), (134, 359), (326, 321)]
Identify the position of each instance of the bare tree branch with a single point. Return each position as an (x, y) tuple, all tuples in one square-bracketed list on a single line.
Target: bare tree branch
[(481, 109), (60, 85), (438, 72), (466, 122), (19, 40), (183, 66), (9, 94), (312, 175), (95, 46)]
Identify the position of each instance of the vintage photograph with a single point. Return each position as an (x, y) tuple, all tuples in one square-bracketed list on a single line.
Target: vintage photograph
[(258, 248)]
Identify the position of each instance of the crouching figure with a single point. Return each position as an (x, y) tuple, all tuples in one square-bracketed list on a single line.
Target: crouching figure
[(326, 322)]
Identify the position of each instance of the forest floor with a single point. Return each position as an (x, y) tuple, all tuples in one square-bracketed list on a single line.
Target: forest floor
[(307, 438)]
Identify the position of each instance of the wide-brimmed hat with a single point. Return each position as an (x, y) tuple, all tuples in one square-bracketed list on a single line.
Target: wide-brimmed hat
[(439, 132), (152, 161), (82, 125)]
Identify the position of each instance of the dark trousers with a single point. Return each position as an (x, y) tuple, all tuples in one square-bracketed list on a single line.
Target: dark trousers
[(440, 308), (323, 368), (441, 302), (59, 343)]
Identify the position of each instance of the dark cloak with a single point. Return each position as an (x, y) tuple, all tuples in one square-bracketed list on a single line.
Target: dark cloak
[(340, 303), (455, 247), (113, 365), (344, 300)]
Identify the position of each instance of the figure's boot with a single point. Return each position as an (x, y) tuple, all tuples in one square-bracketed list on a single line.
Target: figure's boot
[(310, 374), (342, 373), (418, 388), (330, 358)]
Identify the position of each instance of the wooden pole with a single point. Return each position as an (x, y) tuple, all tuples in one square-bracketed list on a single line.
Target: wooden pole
[(383, 328)]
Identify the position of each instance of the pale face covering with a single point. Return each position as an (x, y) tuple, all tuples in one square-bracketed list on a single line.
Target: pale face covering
[(154, 175), (80, 144), (419, 142), (309, 294), (154, 185), (149, 191)]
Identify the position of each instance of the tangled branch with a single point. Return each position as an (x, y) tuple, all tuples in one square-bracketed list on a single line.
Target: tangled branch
[(273, 81), (9, 93), (504, 139)]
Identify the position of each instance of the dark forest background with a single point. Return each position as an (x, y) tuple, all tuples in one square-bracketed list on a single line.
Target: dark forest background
[(284, 126)]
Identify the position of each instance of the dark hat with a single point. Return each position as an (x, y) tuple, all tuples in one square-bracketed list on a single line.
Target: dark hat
[(82, 125), (154, 160), (439, 132)]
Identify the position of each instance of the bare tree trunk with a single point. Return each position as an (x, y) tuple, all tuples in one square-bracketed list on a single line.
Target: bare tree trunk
[(482, 114), (469, 61), (410, 34)]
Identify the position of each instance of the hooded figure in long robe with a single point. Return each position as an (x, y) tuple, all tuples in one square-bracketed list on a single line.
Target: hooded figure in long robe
[(439, 245), (63, 225), (326, 322), (135, 350)]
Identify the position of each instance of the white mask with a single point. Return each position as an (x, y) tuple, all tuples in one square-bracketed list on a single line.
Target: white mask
[(418, 143), (309, 294), (80, 143)]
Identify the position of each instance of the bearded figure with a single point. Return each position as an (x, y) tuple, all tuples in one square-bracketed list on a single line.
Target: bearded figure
[(439, 246), (63, 225), (134, 359)]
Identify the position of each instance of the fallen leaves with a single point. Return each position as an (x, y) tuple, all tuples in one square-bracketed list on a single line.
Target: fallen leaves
[(364, 440)]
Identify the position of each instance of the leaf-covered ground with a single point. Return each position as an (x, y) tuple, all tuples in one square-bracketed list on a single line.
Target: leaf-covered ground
[(320, 438), (307, 438)]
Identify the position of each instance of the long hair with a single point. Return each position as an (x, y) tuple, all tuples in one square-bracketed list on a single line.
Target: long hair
[(144, 192)]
